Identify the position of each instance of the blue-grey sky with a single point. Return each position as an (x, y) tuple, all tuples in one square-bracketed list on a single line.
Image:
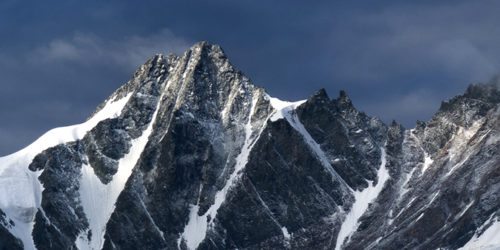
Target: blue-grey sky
[(397, 60)]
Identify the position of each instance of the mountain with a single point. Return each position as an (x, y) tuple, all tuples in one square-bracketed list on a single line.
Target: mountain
[(189, 154)]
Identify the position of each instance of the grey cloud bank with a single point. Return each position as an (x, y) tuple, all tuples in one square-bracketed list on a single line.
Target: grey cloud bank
[(59, 60)]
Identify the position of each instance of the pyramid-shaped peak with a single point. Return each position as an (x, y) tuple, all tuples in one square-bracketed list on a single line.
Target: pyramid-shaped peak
[(204, 44), (343, 95), (320, 96), (207, 49)]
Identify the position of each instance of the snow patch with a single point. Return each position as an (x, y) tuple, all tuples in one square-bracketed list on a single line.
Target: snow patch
[(465, 209), (493, 139), (286, 235), (419, 217), (433, 198), (427, 162), (362, 200), (489, 239), (20, 189), (283, 108), (402, 210)]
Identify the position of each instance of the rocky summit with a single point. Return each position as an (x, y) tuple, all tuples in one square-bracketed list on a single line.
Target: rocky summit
[(189, 154)]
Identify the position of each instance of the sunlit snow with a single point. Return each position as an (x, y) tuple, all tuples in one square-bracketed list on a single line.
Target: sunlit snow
[(98, 199), (20, 190)]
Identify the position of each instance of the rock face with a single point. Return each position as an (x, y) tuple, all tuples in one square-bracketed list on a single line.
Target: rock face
[(189, 154)]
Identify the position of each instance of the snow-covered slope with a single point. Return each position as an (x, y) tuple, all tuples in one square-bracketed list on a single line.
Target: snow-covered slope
[(20, 189), (189, 154)]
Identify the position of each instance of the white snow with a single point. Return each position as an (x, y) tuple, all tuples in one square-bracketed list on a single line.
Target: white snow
[(493, 139), (196, 228), (362, 200), (427, 158), (433, 198), (98, 199), (20, 189), (489, 239), (402, 210), (285, 233), (419, 217), (283, 108), (427, 162), (465, 209)]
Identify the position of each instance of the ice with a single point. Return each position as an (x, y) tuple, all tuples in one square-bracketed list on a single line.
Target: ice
[(362, 200), (20, 190)]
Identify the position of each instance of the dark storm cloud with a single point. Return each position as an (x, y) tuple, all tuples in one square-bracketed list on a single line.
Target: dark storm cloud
[(59, 59), (426, 52)]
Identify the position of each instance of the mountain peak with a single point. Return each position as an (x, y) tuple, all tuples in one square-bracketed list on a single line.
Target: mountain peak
[(206, 49), (344, 102), (319, 96), (189, 154)]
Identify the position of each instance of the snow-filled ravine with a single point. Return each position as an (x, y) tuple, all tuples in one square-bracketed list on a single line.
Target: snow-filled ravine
[(98, 199), (362, 200), (20, 189)]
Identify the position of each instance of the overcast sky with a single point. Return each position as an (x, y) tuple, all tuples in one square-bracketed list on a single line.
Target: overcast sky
[(59, 59)]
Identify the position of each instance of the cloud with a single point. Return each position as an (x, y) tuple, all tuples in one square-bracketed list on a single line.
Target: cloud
[(456, 40), (404, 108), (463, 57), (129, 52)]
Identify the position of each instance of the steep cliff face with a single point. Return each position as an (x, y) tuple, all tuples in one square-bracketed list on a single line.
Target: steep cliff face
[(189, 154)]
